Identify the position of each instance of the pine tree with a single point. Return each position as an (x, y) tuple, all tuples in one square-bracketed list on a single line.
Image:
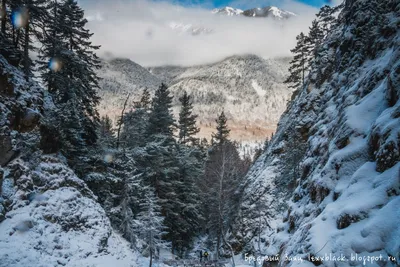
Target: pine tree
[(191, 169), (129, 194), (81, 67), (135, 123), (160, 164), (145, 100), (224, 171), (128, 226), (149, 223), (298, 66), (222, 134), (161, 121), (67, 65), (51, 51), (326, 18), (187, 121), (29, 16), (73, 144), (106, 132), (314, 40)]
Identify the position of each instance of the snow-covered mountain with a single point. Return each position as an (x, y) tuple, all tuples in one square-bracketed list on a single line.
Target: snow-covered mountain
[(329, 183), (269, 11), (264, 12), (248, 88), (121, 77), (229, 11)]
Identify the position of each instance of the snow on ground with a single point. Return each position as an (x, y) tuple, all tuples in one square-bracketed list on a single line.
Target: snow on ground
[(61, 224)]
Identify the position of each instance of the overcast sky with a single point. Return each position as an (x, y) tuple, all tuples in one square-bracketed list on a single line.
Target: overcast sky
[(142, 30)]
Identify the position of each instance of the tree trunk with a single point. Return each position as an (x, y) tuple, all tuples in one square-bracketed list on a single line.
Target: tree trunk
[(218, 243), (151, 256), (26, 49), (3, 18), (121, 120)]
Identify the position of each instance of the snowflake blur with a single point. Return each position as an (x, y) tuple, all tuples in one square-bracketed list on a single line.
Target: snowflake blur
[(19, 18), (3, 13), (55, 64), (108, 158)]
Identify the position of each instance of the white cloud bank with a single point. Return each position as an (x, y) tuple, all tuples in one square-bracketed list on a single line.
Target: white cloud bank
[(140, 30)]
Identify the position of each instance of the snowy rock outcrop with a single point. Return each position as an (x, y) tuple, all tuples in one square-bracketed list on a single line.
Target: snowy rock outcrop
[(20, 107), (335, 155), (53, 219)]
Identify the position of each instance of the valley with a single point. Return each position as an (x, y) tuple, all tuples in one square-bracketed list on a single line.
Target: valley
[(248, 88), (210, 152)]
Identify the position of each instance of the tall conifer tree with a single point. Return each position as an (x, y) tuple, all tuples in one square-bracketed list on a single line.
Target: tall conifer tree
[(298, 66), (187, 121), (222, 134)]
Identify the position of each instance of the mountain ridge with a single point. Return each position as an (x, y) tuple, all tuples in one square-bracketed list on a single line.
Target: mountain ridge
[(238, 82), (258, 12)]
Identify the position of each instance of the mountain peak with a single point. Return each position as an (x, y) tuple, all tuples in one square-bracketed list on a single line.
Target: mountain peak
[(229, 11), (268, 11)]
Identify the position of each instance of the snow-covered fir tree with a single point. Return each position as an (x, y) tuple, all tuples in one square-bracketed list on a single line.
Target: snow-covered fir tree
[(220, 187), (28, 17), (106, 133), (135, 123), (222, 134), (161, 120), (187, 121), (150, 224), (67, 66)]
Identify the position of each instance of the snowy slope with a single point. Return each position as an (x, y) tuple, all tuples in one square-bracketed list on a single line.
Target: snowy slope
[(335, 155), (48, 216), (60, 224)]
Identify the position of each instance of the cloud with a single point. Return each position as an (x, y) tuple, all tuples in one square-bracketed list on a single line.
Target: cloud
[(141, 30)]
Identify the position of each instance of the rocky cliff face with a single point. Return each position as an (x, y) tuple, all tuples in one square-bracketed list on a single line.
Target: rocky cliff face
[(332, 170)]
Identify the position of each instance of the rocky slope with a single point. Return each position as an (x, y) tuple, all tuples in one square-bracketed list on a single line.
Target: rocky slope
[(48, 216), (248, 88), (329, 183)]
